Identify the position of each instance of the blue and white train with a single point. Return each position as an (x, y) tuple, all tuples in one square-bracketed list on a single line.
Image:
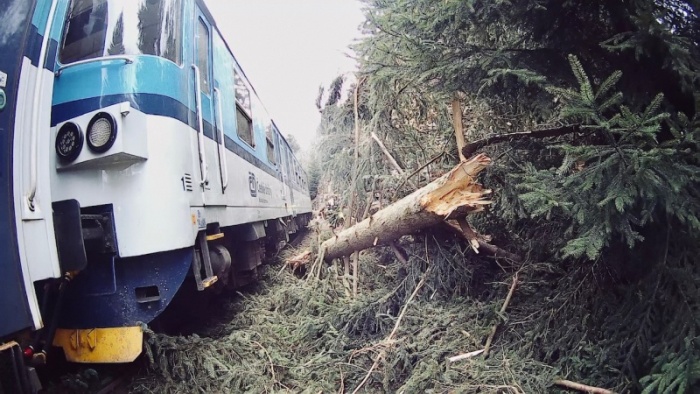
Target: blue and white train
[(135, 156)]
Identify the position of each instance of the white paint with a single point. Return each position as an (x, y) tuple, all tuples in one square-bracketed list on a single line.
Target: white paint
[(153, 212), (31, 209), (3, 79), (35, 237)]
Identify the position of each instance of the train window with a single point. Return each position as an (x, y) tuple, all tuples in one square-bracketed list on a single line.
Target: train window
[(98, 28), (245, 126), (269, 135), (203, 55), (242, 93)]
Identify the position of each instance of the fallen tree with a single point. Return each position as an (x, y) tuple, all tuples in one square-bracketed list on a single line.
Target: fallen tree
[(454, 195)]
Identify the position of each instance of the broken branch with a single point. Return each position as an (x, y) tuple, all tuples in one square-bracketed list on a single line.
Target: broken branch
[(469, 149), (582, 387), (459, 128), (489, 249), (487, 347), (386, 153)]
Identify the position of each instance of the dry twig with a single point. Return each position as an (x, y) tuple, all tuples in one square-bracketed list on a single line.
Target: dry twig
[(487, 347), (582, 387)]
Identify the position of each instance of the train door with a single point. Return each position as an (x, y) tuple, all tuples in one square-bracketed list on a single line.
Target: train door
[(208, 105)]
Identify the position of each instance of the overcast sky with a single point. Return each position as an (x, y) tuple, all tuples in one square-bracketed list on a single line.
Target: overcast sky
[(288, 48)]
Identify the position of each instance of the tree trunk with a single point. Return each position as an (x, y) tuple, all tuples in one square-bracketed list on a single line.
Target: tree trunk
[(455, 194)]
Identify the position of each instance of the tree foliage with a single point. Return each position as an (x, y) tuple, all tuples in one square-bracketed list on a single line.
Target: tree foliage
[(614, 205)]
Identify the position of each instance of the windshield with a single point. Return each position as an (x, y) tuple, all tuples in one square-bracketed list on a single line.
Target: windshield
[(96, 28)]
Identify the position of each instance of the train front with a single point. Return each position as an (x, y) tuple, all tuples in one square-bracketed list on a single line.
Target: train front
[(124, 153)]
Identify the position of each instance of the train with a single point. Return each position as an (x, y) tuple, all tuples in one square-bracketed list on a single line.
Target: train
[(136, 159)]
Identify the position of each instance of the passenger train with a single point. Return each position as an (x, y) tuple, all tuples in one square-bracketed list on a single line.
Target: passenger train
[(135, 158)]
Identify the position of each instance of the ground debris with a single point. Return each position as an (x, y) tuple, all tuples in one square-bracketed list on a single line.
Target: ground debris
[(293, 335)]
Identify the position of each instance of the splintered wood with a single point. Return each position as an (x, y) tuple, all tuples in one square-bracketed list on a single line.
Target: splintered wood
[(453, 195), (298, 261)]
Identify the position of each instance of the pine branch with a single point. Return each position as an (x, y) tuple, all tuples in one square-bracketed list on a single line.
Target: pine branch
[(471, 148)]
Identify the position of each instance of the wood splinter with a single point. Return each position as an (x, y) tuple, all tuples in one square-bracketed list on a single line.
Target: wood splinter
[(300, 260)]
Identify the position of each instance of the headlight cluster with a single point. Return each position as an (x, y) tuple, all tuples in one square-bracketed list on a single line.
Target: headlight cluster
[(101, 134)]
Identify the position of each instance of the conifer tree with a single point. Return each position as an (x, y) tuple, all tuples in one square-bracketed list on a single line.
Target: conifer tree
[(618, 196)]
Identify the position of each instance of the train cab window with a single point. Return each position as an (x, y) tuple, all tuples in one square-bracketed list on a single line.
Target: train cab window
[(244, 118), (203, 55), (269, 135), (97, 28)]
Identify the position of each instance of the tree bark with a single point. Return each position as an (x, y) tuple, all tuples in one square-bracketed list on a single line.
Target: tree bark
[(455, 194)]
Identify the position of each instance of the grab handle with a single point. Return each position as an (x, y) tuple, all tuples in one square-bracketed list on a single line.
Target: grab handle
[(223, 168), (200, 124)]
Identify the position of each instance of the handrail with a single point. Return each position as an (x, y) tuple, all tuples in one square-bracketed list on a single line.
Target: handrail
[(223, 168), (34, 133), (126, 58), (200, 123)]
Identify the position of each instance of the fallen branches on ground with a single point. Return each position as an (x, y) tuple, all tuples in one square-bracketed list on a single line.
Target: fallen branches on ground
[(582, 387)]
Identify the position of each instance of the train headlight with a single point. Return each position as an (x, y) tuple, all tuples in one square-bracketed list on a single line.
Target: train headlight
[(69, 142), (101, 133)]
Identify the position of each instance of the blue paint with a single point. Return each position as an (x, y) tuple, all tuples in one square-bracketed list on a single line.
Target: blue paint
[(148, 74), (41, 15), (56, 33), (149, 103), (14, 308), (104, 295)]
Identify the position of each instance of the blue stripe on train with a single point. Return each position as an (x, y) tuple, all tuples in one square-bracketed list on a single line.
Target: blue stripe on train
[(154, 104)]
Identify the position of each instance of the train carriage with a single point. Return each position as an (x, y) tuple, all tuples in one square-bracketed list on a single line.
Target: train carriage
[(136, 157)]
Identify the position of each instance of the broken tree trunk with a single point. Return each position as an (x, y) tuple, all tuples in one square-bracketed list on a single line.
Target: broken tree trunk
[(455, 194)]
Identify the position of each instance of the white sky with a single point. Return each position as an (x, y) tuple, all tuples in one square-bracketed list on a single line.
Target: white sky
[(288, 48)]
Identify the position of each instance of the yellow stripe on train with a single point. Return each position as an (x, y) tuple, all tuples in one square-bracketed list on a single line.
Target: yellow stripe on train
[(100, 345)]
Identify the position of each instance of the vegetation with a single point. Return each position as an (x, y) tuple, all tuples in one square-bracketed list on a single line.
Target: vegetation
[(610, 206), (605, 212)]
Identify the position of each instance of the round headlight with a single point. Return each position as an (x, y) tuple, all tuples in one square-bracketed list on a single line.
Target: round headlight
[(102, 131), (69, 142)]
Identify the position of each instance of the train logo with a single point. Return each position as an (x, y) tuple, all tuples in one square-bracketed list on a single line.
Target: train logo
[(252, 184)]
